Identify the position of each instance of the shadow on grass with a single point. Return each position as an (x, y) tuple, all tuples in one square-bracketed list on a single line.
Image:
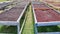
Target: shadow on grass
[(8, 29), (48, 29)]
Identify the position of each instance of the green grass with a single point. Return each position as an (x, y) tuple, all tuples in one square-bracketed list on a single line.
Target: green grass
[(8, 29), (29, 28), (2, 0), (22, 19), (49, 29)]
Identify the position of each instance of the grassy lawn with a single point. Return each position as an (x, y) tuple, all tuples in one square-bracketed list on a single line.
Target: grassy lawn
[(29, 28), (2, 0)]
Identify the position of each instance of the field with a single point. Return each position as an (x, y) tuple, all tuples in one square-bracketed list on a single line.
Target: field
[(29, 25)]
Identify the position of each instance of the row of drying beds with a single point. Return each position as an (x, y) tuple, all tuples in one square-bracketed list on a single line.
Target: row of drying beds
[(38, 24), (4, 4), (12, 22)]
